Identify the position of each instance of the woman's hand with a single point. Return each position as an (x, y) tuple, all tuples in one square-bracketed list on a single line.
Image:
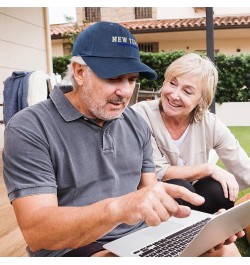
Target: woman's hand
[(227, 180), (228, 241)]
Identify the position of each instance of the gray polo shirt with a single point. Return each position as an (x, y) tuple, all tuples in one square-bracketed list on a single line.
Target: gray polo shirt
[(52, 148)]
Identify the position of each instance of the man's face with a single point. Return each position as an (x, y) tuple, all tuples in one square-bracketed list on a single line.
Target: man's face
[(105, 99)]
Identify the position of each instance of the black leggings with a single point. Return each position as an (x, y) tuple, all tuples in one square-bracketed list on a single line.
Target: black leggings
[(208, 188)]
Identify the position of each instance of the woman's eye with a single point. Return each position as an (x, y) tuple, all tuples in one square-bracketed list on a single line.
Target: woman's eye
[(188, 92)]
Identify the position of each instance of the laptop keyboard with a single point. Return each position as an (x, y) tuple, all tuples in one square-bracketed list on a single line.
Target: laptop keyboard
[(173, 245)]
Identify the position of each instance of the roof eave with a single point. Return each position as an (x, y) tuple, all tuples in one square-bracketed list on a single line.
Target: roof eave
[(170, 29), (140, 31)]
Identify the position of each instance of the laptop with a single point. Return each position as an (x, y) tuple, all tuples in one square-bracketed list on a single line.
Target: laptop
[(183, 237)]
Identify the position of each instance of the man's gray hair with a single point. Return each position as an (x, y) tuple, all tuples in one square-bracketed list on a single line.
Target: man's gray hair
[(69, 77)]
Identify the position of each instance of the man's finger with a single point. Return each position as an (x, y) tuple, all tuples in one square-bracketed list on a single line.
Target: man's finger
[(152, 218), (176, 191), (183, 211)]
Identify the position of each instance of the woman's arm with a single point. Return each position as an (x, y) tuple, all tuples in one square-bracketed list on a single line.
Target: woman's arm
[(190, 173)]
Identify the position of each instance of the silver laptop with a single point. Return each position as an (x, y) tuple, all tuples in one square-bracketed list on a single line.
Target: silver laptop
[(183, 237)]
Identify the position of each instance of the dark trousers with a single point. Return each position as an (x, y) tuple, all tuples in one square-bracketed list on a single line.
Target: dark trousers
[(208, 188), (86, 251)]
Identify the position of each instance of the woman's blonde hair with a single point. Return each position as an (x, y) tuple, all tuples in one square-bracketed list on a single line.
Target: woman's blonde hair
[(207, 74)]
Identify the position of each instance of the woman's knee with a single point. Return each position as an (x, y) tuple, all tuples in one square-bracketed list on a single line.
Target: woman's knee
[(184, 183), (213, 193)]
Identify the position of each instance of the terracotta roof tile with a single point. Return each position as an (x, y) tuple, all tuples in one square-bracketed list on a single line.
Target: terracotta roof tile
[(151, 25), (58, 30)]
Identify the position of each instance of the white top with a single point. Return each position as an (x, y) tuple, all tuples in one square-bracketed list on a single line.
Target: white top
[(178, 144)]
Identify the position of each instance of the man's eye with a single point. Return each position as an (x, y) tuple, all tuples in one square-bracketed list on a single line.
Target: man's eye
[(113, 79)]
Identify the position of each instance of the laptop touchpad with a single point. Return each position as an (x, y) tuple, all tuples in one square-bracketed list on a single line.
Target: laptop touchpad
[(164, 229)]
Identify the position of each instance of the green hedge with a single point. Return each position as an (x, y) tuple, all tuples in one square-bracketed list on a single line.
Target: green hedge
[(60, 64), (234, 73), (234, 78)]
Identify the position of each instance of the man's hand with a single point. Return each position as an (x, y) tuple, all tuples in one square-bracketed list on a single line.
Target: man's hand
[(153, 204)]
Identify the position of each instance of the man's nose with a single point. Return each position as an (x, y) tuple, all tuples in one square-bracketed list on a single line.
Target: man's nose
[(125, 89)]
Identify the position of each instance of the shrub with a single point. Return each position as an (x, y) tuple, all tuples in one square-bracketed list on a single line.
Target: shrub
[(234, 78), (159, 62), (60, 64), (234, 73)]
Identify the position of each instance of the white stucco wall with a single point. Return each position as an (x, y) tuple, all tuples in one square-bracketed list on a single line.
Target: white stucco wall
[(189, 12), (25, 44), (57, 48), (234, 113)]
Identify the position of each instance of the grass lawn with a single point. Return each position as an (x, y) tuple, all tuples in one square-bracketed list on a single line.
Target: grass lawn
[(242, 133)]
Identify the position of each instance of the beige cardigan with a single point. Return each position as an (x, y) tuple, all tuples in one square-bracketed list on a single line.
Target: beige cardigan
[(209, 133)]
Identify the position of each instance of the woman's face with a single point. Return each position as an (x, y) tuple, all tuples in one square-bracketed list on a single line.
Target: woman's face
[(181, 95)]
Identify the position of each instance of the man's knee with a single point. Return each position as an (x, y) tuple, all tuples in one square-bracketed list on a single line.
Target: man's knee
[(104, 253)]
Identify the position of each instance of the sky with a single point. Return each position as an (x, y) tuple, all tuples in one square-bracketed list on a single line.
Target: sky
[(59, 8), (56, 14)]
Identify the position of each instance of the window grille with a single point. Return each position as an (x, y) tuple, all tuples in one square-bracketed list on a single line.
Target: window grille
[(93, 14), (205, 51), (143, 12), (149, 47)]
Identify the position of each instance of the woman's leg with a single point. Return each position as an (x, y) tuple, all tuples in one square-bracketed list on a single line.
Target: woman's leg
[(213, 193), (184, 183)]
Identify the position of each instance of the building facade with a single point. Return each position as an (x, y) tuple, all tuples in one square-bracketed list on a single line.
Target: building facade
[(115, 14), (167, 28)]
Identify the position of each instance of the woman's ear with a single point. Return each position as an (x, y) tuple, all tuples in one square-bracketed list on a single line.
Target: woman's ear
[(78, 71)]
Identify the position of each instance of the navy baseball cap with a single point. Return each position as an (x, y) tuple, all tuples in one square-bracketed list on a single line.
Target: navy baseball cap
[(110, 50)]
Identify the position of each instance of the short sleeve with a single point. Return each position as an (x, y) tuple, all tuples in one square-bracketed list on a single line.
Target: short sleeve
[(27, 166)]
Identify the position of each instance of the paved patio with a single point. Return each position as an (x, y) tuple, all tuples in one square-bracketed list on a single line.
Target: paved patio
[(12, 243)]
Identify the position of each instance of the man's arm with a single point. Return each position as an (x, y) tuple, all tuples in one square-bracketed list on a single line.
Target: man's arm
[(147, 179), (45, 225)]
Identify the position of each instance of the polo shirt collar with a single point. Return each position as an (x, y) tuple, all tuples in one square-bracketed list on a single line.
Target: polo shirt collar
[(63, 105)]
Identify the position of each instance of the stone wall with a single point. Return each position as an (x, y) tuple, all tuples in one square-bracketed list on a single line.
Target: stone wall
[(114, 14)]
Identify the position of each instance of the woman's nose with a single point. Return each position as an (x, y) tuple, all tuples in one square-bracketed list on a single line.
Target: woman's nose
[(175, 94)]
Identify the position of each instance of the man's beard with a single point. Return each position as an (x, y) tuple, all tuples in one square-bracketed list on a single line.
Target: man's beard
[(96, 107)]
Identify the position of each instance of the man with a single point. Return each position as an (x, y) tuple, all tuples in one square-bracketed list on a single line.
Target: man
[(78, 166)]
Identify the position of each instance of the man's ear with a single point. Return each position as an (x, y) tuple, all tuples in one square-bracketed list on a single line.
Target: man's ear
[(79, 71)]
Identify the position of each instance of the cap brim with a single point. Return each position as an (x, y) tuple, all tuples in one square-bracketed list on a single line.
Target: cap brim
[(112, 67)]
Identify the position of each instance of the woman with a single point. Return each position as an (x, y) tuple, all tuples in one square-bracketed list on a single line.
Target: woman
[(184, 132)]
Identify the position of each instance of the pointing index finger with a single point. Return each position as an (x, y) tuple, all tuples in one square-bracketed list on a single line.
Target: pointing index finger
[(176, 191)]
